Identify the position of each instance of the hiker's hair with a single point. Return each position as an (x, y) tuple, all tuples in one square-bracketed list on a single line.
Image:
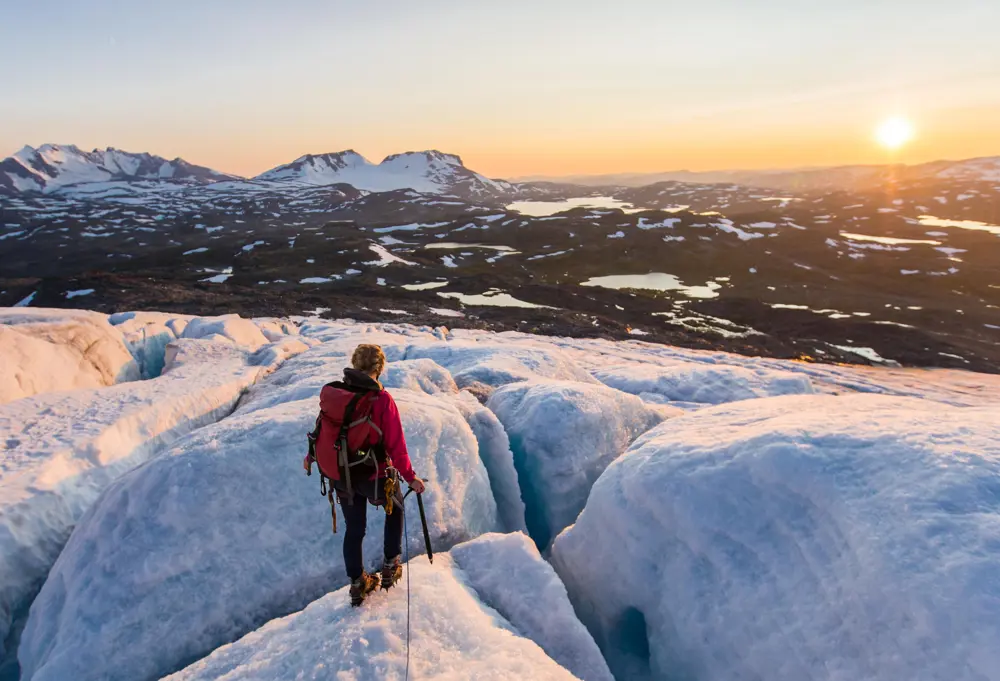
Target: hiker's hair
[(369, 359)]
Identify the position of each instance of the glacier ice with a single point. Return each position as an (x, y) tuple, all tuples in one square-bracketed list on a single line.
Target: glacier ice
[(497, 364), (786, 537), (242, 332), (418, 375), (224, 532), (563, 435), (305, 375), (147, 334), (703, 383), (510, 576), (496, 455), (802, 537), (63, 448), (490, 610), (46, 350)]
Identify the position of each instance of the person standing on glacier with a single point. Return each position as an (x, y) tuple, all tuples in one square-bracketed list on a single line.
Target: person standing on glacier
[(360, 447)]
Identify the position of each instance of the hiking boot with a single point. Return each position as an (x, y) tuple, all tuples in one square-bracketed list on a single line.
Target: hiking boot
[(361, 587), (392, 570)]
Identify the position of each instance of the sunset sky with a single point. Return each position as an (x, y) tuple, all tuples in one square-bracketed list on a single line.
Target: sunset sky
[(519, 87)]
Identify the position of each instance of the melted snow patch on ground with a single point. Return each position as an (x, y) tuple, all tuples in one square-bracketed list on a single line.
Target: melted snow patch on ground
[(800, 537), (225, 531), (63, 449), (45, 350), (563, 435), (491, 610)]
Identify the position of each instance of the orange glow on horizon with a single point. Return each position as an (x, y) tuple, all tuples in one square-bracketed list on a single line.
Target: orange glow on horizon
[(699, 146)]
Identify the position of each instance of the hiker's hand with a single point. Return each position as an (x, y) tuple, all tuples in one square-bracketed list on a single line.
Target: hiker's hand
[(417, 485), (307, 464)]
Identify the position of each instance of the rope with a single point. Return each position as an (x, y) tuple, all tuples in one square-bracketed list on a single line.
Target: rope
[(406, 549)]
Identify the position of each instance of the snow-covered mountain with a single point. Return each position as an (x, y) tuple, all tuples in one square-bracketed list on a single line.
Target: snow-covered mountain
[(53, 167), (423, 171)]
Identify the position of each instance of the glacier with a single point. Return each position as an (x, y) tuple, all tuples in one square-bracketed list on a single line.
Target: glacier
[(225, 532), (803, 537), (63, 448), (485, 361), (470, 617), (47, 350), (563, 435), (692, 514), (691, 383)]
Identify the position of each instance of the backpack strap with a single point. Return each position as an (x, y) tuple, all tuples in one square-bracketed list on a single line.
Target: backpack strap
[(345, 425)]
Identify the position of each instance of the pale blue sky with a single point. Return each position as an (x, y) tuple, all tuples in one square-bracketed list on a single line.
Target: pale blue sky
[(515, 87)]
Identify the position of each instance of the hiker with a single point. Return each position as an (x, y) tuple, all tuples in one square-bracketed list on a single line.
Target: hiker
[(358, 412)]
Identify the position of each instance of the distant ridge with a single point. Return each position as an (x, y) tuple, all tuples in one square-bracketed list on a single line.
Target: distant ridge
[(985, 169), (62, 169), (54, 167)]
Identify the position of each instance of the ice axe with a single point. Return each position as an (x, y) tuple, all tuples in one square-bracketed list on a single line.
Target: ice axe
[(423, 524)]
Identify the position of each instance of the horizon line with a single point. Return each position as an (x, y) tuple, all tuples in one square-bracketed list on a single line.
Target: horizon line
[(527, 177)]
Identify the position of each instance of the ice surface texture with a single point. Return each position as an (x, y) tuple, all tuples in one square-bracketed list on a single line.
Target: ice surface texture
[(473, 615), (795, 537), (223, 533), (497, 364), (705, 383), (816, 537), (62, 449), (563, 435), (45, 350)]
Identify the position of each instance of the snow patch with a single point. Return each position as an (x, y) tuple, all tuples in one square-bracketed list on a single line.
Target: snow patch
[(385, 257), (79, 292)]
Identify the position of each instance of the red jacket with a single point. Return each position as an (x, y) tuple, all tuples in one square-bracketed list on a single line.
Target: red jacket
[(385, 416)]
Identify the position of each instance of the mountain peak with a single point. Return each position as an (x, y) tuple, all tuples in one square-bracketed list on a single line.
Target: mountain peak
[(430, 155), (52, 167), (430, 171)]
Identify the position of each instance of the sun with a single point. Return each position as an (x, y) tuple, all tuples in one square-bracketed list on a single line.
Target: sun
[(893, 133)]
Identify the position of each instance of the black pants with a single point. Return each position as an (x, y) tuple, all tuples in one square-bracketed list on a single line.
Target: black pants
[(356, 519)]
